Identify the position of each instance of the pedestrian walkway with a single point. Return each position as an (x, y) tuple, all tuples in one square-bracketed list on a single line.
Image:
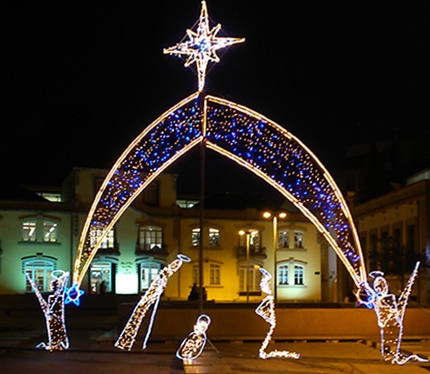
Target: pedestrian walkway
[(88, 339)]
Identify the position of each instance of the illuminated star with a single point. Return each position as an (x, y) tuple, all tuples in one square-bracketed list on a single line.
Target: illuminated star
[(202, 45), (73, 294)]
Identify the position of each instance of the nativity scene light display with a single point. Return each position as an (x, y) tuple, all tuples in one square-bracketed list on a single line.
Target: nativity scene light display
[(257, 144)]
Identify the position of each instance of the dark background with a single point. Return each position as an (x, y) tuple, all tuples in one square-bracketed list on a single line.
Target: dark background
[(80, 80)]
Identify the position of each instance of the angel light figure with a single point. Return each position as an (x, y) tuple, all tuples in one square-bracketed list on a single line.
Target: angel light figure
[(192, 346), (390, 313), (54, 311), (266, 310)]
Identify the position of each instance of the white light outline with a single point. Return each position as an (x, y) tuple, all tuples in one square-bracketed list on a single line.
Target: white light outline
[(266, 310), (390, 313), (54, 313), (206, 37), (359, 277), (151, 297), (79, 268), (192, 346)]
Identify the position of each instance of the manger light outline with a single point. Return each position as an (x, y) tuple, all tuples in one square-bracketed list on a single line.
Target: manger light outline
[(192, 346), (266, 310), (53, 310), (201, 45), (151, 297)]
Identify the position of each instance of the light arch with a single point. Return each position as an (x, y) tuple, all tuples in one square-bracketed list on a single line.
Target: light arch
[(248, 138)]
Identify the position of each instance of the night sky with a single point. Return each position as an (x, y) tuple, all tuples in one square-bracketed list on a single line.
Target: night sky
[(83, 79)]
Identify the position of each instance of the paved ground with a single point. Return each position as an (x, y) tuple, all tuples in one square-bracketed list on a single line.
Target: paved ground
[(86, 355)]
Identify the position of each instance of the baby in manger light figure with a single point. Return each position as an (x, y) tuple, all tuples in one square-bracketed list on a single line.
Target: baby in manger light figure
[(193, 345), (53, 309), (266, 310), (390, 313)]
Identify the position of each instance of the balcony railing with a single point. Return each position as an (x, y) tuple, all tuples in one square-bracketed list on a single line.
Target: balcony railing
[(253, 251), (160, 249)]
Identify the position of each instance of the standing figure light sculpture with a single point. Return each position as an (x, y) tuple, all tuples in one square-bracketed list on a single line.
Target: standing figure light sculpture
[(266, 310), (151, 297), (53, 309), (192, 346), (390, 313)]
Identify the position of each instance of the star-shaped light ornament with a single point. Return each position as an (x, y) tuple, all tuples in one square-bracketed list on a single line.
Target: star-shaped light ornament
[(201, 45), (73, 294)]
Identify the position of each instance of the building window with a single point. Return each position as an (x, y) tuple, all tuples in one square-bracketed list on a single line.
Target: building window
[(29, 231), (101, 277), (196, 274), (214, 275), (291, 273), (151, 238), (148, 272), (298, 239), (39, 270), (109, 240), (183, 203), (283, 239), (214, 237), (195, 237), (254, 240), (299, 275), (283, 275), (249, 274), (49, 231), (211, 274), (39, 229)]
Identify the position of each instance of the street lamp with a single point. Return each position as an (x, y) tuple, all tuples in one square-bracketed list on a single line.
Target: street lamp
[(247, 233), (275, 217)]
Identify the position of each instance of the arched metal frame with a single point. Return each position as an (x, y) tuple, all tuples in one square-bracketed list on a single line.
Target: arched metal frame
[(246, 137)]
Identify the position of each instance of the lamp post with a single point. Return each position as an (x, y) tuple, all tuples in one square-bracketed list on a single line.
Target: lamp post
[(247, 233), (275, 217)]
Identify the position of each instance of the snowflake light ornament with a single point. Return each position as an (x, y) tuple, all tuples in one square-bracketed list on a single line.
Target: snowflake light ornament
[(201, 45)]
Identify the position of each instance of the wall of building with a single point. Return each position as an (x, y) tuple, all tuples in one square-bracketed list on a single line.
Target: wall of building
[(227, 256)]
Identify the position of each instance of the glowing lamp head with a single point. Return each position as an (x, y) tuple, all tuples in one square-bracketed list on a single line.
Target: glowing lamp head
[(267, 214)]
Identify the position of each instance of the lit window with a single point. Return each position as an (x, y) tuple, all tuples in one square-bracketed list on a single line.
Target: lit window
[(101, 275), (49, 231), (150, 238), (196, 274), (195, 237), (39, 270), (283, 239), (109, 240), (148, 272), (214, 275), (299, 275), (298, 239), (283, 275), (186, 203), (250, 275), (214, 237), (29, 231), (254, 240)]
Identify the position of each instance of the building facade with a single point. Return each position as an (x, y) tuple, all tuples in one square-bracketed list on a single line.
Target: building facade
[(394, 231), (39, 236)]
